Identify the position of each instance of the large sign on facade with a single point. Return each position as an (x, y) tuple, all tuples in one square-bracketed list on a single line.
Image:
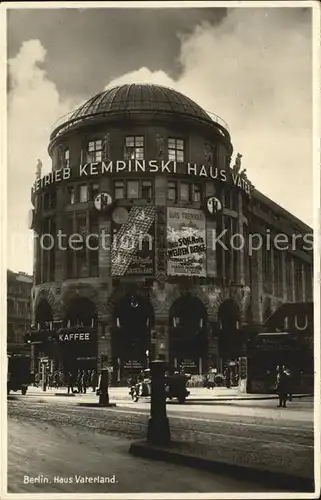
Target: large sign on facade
[(186, 242), (133, 244), (90, 171)]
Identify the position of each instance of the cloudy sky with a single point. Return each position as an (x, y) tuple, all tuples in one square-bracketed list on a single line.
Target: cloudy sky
[(251, 66)]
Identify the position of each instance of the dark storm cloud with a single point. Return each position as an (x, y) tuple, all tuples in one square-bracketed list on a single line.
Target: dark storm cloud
[(89, 47)]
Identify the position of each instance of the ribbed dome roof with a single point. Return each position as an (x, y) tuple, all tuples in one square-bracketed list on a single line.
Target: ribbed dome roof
[(138, 98)]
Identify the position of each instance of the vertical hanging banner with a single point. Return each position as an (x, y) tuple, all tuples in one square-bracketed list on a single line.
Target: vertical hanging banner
[(133, 244), (186, 242)]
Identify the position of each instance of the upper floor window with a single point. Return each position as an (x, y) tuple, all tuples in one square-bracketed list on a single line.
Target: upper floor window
[(175, 149), (66, 158), (134, 147), (172, 190), (94, 151), (119, 189), (184, 191), (133, 189), (147, 190), (83, 193)]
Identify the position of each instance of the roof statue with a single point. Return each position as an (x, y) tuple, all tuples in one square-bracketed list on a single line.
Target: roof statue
[(38, 169), (237, 165)]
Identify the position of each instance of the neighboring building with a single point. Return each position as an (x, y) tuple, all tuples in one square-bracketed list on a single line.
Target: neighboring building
[(19, 286), (147, 163)]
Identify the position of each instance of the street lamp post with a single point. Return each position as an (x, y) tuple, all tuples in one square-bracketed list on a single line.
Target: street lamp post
[(158, 431)]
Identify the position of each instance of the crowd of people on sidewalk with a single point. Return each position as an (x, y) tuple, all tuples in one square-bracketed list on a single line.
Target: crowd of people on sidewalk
[(77, 382)]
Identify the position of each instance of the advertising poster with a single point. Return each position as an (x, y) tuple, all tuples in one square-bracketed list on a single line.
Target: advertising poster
[(133, 244), (186, 242)]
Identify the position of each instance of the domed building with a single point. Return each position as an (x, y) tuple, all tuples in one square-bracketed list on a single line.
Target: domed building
[(128, 266)]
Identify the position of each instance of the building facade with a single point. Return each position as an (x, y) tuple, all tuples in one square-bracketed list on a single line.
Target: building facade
[(159, 217), (19, 286)]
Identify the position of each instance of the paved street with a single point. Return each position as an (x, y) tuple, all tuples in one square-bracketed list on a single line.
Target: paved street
[(45, 428)]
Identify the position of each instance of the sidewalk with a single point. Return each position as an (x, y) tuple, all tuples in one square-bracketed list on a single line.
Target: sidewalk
[(196, 394)]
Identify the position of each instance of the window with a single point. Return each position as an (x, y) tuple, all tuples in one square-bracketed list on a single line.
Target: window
[(147, 190), (119, 190), (278, 272), (94, 191), (83, 193), (298, 282), (176, 149), (10, 304), (132, 189), (172, 190), (308, 277), (71, 195), (134, 148), (184, 191), (66, 158), (94, 151), (196, 188), (289, 276)]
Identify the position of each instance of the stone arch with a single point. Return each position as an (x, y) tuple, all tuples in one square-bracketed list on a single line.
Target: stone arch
[(229, 314), (72, 292), (44, 294), (80, 311), (132, 307), (189, 311)]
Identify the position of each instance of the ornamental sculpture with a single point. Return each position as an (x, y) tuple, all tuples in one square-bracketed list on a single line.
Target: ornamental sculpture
[(38, 169), (237, 165)]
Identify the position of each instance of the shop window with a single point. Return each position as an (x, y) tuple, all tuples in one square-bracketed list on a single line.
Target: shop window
[(132, 189), (175, 149), (172, 190), (119, 190), (83, 193), (184, 191), (94, 151), (134, 148)]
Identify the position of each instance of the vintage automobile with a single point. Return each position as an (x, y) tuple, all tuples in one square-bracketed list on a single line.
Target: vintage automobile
[(18, 377), (175, 386)]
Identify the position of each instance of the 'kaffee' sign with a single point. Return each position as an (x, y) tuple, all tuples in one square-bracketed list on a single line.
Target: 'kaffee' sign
[(74, 337)]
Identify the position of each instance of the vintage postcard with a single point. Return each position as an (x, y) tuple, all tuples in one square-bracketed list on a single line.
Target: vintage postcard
[(160, 210)]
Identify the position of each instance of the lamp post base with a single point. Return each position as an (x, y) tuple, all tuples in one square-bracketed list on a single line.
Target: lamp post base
[(158, 431)]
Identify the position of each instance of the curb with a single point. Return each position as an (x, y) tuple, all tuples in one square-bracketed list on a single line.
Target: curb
[(249, 398), (97, 405), (64, 394), (254, 474)]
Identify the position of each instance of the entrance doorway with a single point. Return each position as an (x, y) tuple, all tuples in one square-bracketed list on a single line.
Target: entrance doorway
[(188, 334), (132, 349)]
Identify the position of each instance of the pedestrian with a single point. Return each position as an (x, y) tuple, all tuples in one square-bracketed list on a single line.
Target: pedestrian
[(282, 387), (37, 379), (288, 373), (84, 381), (79, 381), (70, 382), (227, 374), (93, 380)]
